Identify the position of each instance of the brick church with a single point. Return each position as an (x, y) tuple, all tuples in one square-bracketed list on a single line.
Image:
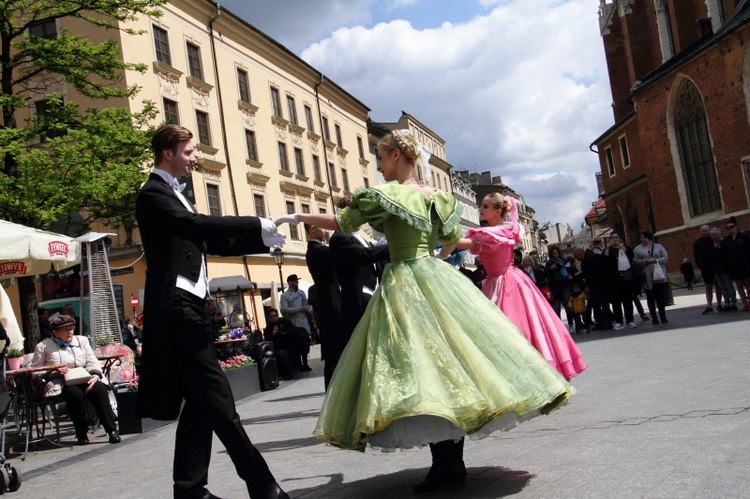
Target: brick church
[(678, 155)]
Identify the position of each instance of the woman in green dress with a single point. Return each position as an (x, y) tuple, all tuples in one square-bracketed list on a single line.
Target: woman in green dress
[(432, 360)]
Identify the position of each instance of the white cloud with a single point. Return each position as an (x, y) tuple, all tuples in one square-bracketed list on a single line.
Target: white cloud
[(521, 91)]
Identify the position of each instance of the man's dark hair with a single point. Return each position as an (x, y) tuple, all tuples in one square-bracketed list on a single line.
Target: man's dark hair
[(168, 137)]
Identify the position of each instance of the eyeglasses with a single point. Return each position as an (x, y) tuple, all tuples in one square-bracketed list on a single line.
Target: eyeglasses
[(730, 227)]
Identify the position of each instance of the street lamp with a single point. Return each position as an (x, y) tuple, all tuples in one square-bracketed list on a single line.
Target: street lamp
[(278, 257)]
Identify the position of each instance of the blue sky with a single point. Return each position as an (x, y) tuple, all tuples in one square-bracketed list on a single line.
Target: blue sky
[(515, 87)]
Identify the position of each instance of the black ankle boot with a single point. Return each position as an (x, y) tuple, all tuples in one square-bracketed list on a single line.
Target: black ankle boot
[(458, 450), (446, 467)]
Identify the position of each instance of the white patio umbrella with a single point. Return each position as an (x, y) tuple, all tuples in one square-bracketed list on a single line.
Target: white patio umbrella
[(25, 251)]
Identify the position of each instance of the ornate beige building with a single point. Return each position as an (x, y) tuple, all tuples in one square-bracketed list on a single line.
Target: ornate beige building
[(273, 134)]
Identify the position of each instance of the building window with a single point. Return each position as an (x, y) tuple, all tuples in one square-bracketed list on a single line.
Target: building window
[(292, 109), (260, 206), (345, 180), (309, 119), (283, 160), (293, 232), (305, 208), (42, 109), (360, 147), (204, 131), (367, 182), (46, 29), (332, 174), (252, 150), (161, 42), (299, 161), (194, 61), (326, 131), (276, 102), (214, 203), (624, 152), (170, 112), (699, 173), (243, 84), (322, 210), (337, 128), (316, 168), (610, 161)]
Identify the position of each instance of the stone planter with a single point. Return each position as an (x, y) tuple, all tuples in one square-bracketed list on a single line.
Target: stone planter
[(244, 381), (127, 421)]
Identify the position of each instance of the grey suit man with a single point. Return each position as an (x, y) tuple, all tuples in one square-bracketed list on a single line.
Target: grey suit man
[(179, 362)]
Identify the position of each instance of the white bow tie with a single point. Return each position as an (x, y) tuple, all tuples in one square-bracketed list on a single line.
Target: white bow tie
[(178, 187)]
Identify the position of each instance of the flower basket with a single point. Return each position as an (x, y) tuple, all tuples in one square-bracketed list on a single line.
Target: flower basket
[(127, 421), (243, 381)]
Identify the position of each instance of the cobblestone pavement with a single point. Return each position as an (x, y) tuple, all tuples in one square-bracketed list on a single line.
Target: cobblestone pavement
[(662, 412)]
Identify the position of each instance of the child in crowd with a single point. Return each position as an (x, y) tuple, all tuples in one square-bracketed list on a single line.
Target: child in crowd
[(577, 303)]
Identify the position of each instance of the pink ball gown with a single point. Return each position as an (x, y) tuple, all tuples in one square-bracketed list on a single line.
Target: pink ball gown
[(520, 299)]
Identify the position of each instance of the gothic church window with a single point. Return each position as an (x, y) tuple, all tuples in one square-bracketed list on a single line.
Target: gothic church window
[(696, 155)]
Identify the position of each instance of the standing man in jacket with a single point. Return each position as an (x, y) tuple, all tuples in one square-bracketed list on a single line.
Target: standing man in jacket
[(179, 362)]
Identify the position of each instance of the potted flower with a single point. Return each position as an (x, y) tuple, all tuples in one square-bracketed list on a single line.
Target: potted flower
[(105, 345), (15, 358), (242, 374)]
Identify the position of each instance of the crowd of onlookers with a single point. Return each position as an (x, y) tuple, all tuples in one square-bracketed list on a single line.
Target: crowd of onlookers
[(600, 287)]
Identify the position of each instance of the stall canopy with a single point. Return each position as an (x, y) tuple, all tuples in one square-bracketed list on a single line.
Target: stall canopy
[(230, 283), (25, 251)]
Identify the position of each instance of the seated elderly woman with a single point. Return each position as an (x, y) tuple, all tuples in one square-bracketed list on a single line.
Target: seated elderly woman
[(75, 351)]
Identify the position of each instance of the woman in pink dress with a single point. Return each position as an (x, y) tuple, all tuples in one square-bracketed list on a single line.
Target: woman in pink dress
[(512, 289)]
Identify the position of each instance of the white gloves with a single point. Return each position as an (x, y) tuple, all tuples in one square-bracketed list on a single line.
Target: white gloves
[(270, 235), (292, 219)]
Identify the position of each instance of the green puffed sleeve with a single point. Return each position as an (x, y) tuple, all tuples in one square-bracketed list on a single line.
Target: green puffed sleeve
[(365, 207), (452, 237)]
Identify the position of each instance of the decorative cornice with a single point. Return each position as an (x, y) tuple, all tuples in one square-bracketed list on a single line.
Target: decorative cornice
[(296, 129), (279, 121), (313, 136), (206, 149), (201, 85), (166, 69), (257, 179), (253, 163), (246, 106), (341, 151), (285, 173), (211, 165)]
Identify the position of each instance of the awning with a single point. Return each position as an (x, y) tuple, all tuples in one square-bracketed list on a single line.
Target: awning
[(230, 283), (603, 232)]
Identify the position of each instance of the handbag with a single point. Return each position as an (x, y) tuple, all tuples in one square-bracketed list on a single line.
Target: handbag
[(564, 273), (77, 376)]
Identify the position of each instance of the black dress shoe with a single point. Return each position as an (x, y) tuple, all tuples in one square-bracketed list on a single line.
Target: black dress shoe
[(114, 438), (273, 491), (83, 440)]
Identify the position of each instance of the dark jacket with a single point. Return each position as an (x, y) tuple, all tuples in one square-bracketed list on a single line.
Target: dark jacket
[(174, 240), (354, 265), (327, 303)]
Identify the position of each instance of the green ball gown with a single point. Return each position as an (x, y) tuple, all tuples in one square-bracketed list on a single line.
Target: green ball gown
[(432, 358)]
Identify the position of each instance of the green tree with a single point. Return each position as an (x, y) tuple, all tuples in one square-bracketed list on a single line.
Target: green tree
[(64, 160)]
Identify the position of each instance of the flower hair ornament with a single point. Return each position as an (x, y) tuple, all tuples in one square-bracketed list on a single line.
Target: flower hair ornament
[(407, 141)]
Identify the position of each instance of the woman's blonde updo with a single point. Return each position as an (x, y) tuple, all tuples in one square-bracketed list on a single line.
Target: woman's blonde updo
[(503, 203), (404, 142)]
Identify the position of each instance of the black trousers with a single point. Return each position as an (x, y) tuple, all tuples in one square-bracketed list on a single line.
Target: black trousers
[(75, 397), (657, 299), (209, 407), (621, 299)]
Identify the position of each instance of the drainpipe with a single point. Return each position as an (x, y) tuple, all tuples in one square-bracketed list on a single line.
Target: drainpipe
[(232, 193), (323, 139)]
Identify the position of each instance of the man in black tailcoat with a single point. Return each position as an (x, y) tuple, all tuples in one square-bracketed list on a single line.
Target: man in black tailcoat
[(357, 266), (179, 362), (328, 301)]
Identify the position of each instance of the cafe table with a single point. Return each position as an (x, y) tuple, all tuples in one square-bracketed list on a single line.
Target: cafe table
[(26, 410)]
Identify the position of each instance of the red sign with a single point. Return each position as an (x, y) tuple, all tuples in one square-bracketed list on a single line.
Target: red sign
[(58, 248), (12, 268), (134, 300), (139, 319)]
